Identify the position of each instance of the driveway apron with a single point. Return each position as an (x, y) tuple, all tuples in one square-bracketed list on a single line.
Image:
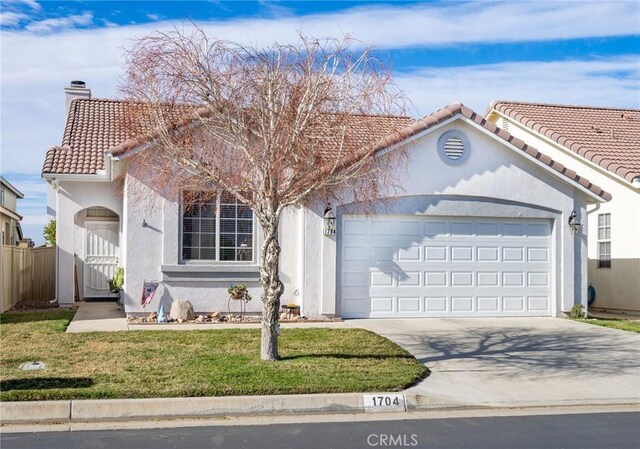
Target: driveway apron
[(503, 362)]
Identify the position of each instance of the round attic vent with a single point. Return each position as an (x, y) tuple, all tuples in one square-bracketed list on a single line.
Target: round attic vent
[(453, 147)]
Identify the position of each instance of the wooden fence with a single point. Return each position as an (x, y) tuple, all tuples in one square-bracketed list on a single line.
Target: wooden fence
[(27, 273)]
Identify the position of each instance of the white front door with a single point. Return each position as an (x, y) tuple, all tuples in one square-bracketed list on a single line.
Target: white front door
[(100, 257), (405, 266)]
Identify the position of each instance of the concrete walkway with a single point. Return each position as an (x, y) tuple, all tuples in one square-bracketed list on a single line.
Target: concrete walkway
[(98, 317), (497, 362)]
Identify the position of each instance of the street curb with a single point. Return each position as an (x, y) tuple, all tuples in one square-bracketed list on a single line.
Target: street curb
[(114, 409), (104, 410), (35, 411)]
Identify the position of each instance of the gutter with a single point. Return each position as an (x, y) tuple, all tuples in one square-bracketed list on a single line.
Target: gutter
[(102, 176)]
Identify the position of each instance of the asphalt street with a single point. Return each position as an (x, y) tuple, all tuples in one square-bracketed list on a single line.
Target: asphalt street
[(579, 431)]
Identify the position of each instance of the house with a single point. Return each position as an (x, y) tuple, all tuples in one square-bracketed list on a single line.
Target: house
[(481, 227), (601, 144), (9, 218)]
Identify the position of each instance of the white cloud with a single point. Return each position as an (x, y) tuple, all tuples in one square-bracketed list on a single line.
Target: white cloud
[(613, 81), (12, 18), (36, 65), (60, 23), (30, 3), (446, 24)]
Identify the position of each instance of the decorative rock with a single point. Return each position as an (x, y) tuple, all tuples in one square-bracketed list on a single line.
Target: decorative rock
[(180, 320), (284, 316), (215, 316), (153, 316), (182, 310)]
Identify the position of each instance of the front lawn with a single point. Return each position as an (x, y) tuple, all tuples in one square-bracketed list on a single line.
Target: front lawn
[(625, 325), (142, 364)]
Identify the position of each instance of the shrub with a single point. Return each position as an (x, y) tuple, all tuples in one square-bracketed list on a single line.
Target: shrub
[(49, 233), (577, 312), (118, 278)]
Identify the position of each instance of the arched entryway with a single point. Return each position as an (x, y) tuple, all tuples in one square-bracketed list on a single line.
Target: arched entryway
[(99, 257)]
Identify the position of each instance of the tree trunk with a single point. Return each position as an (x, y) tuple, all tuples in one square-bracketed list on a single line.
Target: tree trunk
[(272, 289)]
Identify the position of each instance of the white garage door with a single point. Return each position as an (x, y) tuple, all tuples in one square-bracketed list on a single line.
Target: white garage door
[(403, 266)]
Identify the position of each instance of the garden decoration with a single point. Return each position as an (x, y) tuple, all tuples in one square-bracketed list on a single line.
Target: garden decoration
[(148, 290), (162, 317), (239, 293)]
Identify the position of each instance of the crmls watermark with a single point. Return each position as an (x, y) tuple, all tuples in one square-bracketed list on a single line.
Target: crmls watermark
[(392, 440)]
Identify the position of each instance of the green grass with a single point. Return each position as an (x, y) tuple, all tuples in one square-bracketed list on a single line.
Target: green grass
[(625, 325), (142, 364)]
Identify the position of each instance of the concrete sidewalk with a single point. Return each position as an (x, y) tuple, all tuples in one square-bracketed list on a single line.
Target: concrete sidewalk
[(98, 317)]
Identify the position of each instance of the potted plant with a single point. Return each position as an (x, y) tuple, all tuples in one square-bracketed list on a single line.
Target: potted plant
[(240, 293), (116, 284)]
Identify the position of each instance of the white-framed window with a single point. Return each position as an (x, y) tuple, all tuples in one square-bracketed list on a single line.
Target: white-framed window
[(604, 241), (218, 229), (1, 197)]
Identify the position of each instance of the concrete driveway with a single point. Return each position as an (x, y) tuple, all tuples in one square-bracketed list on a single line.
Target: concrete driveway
[(512, 362)]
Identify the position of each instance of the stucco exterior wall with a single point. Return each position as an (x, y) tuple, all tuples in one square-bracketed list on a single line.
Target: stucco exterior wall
[(153, 254), (617, 287), (494, 181), (71, 198)]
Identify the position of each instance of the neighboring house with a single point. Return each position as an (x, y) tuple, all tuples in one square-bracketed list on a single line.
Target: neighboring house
[(9, 218), (602, 144), (480, 228)]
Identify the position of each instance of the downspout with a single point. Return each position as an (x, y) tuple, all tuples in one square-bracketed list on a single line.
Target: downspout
[(589, 212), (56, 188), (301, 259)]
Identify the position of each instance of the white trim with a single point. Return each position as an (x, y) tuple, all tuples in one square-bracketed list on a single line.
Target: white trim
[(11, 187), (417, 136), (301, 258), (460, 116), (10, 213), (100, 177), (217, 260), (564, 149), (534, 160)]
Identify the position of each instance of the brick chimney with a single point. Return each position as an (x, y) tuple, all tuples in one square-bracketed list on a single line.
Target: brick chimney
[(76, 89)]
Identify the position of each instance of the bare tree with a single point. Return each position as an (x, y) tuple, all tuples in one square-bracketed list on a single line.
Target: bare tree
[(274, 127)]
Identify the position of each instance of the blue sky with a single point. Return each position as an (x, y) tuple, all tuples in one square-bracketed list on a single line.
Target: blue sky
[(575, 52)]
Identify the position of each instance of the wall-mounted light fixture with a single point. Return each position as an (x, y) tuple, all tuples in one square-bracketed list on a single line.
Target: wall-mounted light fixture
[(574, 223), (144, 223), (329, 220)]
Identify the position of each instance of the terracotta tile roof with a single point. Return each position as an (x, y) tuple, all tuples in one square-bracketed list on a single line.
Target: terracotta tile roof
[(91, 128), (95, 126), (454, 109), (609, 137)]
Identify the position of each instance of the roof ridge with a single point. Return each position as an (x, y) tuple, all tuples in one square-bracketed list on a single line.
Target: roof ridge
[(357, 114), (561, 105), (123, 100)]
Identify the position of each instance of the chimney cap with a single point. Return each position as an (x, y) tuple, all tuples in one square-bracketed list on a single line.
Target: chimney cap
[(78, 84)]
